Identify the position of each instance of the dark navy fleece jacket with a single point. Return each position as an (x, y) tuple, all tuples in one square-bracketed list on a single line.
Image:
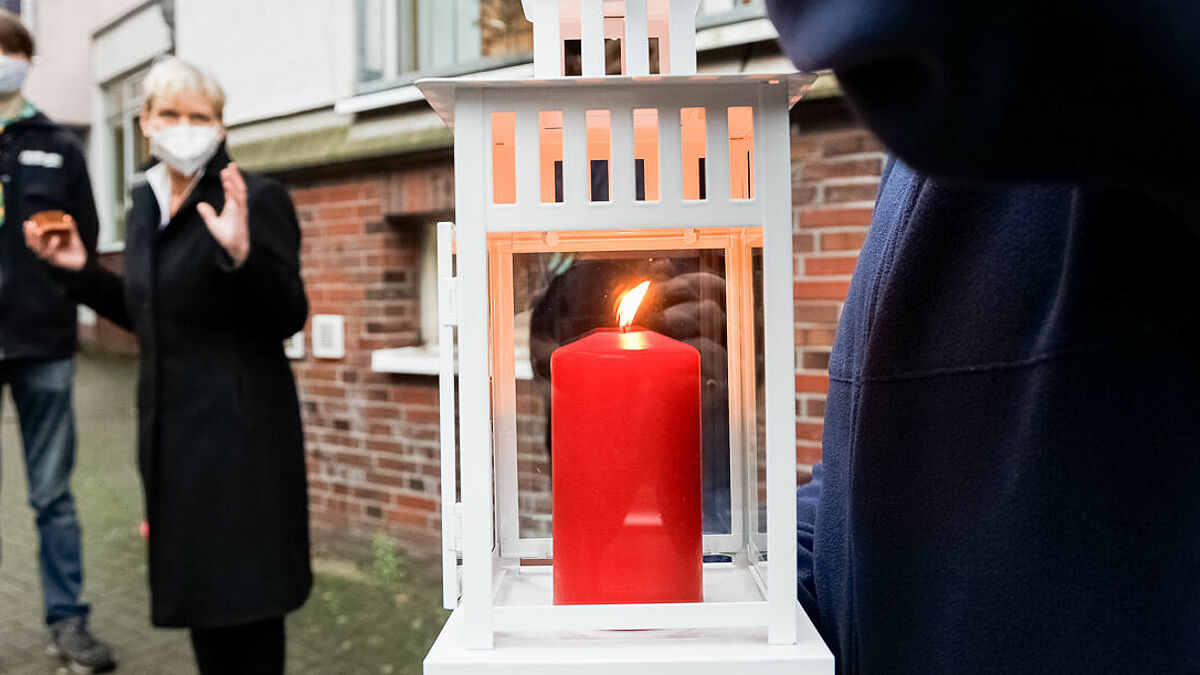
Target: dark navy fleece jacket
[(1011, 476)]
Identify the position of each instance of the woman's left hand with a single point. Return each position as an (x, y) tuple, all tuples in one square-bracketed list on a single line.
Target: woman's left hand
[(231, 229)]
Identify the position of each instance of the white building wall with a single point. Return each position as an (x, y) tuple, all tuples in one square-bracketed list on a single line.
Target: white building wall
[(60, 82), (273, 57)]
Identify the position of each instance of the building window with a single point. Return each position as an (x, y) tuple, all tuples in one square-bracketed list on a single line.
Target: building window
[(400, 38), (126, 150)]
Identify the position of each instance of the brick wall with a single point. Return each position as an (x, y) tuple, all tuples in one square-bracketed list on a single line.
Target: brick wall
[(835, 175), (372, 438)]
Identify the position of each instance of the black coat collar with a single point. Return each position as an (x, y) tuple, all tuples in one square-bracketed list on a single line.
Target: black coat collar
[(204, 187)]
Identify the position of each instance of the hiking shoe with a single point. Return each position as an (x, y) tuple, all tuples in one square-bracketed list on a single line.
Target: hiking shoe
[(71, 641)]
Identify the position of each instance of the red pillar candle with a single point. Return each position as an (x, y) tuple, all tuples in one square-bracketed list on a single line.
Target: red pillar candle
[(626, 469)]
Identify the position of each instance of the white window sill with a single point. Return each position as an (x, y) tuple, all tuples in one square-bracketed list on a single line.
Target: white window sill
[(423, 360)]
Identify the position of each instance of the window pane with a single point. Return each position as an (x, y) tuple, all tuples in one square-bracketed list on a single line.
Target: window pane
[(117, 134), (503, 30), (372, 30)]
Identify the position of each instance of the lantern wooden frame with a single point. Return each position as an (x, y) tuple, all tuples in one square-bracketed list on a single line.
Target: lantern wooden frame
[(499, 594)]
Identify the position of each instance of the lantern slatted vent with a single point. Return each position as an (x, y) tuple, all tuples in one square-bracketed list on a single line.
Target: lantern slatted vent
[(329, 336)]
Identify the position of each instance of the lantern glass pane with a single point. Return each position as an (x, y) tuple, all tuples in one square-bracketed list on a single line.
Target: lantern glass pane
[(564, 290)]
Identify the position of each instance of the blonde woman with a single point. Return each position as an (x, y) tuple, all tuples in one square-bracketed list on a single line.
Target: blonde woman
[(211, 287)]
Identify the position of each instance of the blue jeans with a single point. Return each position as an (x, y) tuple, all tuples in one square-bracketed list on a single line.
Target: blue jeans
[(42, 392)]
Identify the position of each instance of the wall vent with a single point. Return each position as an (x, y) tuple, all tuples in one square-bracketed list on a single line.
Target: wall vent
[(328, 336)]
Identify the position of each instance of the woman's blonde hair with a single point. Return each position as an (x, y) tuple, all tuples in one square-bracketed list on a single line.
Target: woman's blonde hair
[(173, 75)]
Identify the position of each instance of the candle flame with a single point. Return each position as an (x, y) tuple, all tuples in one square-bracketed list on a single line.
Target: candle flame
[(630, 302)]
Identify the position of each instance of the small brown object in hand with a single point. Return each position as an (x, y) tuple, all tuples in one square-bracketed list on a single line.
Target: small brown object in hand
[(52, 224)]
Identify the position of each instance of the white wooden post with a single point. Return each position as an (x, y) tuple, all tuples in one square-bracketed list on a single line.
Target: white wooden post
[(473, 168), (447, 319), (774, 193), (637, 43), (591, 17), (683, 36), (547, 42)]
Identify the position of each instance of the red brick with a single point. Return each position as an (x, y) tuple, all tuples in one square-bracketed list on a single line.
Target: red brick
[(372, 495), (843, 241), (835, 217), (815, 360), (815, 407), (851, 192), (808, 431), (325, 390), (842, 168), (830, 266), (804, 194), (827, 290), (812, 384), (804, 243), (389, 464), (408, 517), (808, 311), (409, 501), (815, 337), (805, 146), (850, 142), (808, 453)]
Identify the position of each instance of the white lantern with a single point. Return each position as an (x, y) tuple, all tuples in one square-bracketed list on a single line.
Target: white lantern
[(617, 163)]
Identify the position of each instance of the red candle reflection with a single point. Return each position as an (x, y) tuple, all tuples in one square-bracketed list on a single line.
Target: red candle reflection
[(626, 464)]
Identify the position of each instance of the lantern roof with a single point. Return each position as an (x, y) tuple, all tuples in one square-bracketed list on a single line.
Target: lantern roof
[(443, 92)]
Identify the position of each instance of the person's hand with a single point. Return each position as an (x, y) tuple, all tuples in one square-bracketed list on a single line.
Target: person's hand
[(58, 243), (231, 229)]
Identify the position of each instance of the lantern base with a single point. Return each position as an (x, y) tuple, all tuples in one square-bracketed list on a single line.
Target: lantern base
[(700, 651)]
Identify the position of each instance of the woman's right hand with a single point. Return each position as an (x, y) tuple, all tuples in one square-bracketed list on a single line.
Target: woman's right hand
[(60, 246)]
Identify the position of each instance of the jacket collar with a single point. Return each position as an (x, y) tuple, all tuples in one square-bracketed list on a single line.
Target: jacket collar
[(211, 174)]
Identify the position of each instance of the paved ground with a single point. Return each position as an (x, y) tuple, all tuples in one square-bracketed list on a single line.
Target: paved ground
[(379, 621)]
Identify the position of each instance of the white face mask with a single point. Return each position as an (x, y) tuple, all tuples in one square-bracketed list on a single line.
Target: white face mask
[(185, 147), (12, 73)]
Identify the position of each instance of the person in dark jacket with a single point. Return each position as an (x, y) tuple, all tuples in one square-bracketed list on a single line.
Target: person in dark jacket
[(212, 287), (43, 169), (1012, 434)]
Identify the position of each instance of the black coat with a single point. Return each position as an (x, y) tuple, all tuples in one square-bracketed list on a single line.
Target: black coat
[(41, 169), (220, 446)]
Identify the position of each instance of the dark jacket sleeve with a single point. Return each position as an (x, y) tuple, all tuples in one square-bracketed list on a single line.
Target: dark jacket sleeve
[(100, 289), (271, 292), (81, 204), (808, 496), (1095, 91)]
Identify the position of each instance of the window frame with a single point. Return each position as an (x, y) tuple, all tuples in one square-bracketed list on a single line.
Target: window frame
[(123, 98), (755, 9)]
